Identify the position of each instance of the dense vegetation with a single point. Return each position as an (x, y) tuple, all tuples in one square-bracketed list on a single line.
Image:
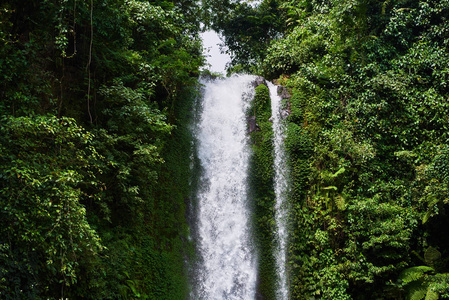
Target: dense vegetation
[(93, 149), (368, 143), (261, 181)]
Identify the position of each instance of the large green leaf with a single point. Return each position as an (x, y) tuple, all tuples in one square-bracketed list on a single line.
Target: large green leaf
[(431, 255), (417, 290), (414, 273), (431, 295)]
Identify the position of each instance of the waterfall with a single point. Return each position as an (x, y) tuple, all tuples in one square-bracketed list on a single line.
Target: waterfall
[(227, 267), (280, 188)]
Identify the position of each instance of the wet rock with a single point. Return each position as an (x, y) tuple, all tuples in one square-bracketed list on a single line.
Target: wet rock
[(286, 111), (252, 125), (258, 81), (284, 114), (283, 92)]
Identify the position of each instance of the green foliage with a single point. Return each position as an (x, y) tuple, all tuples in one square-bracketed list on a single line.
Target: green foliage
[(247, 29), (261, 186), (366, 138), (94, 145), (413, 274), (48, 168), (379, 235), (421, 282), (425, 282), (93, 91), (435, 178), (298, 148)]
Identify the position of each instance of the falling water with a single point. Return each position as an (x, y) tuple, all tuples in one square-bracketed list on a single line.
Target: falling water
[(280, 188), (227, 268)]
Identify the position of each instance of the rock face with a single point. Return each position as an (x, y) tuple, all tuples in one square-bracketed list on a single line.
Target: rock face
[(283, 92), (252, 125), (258, 81), (285, 112), (285, 95)]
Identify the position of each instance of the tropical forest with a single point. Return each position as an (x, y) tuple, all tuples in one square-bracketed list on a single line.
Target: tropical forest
[(316, 166)]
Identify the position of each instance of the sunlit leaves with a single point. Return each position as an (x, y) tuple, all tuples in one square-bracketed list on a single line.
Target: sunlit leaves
[(247, 29), (47, 167), (143, 15), (133, 60)]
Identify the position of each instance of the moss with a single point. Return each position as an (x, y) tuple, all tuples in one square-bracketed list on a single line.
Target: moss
[(299, 150), (174, 194), (261, 185)]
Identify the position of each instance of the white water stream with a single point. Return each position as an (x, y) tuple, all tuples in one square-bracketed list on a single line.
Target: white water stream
[(281, 189), (227, 268)]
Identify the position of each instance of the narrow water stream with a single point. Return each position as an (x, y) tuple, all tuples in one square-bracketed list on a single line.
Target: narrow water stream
[(280, 189)]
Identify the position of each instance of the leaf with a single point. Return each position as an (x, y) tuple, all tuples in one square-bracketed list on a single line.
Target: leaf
[(431, 295), (432, 201), (417, 290), (340, 202), (426, 217), (414, 273), (329, 188), (339, 172), (431, 255)]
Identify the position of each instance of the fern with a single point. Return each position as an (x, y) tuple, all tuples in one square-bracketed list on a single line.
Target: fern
[(417, 290), (414, 274), (414, 280), (431, 295)]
